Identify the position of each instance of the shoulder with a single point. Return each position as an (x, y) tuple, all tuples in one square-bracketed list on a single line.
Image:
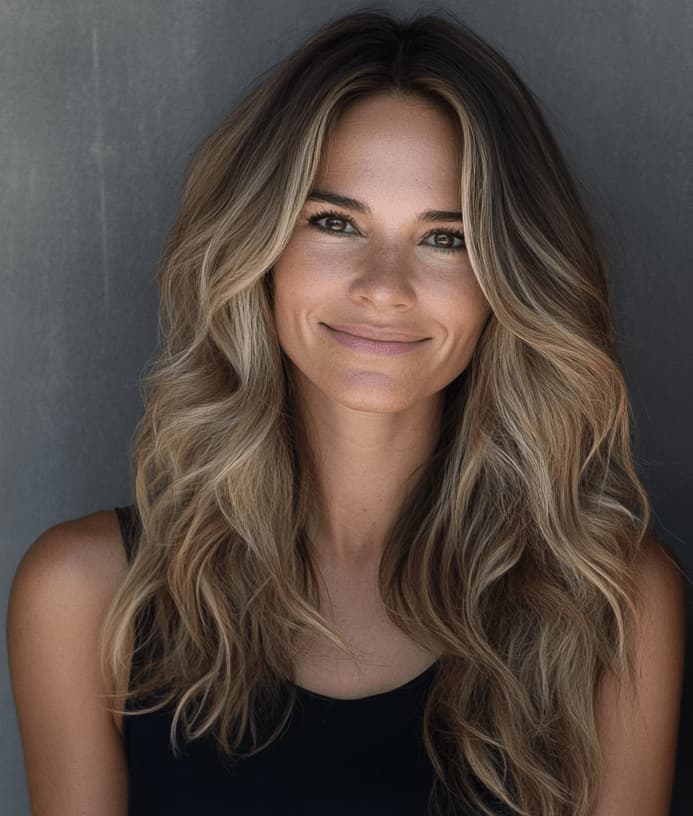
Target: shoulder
[(660, 625), (61, 589), (67, 574), (80, 559), (658, 636), (638, 728), (661, 585), (83, 545)]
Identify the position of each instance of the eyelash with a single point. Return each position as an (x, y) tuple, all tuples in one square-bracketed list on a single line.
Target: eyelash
[(333, 214)]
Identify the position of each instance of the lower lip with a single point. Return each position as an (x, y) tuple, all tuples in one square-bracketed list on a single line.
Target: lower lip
[(372, 346)]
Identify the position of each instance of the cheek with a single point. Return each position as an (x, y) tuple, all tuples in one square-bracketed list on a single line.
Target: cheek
[(463, 320), (302, 268), (459, 301), (301, 299)]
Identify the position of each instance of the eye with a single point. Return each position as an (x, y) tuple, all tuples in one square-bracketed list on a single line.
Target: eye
[(331, 215), (452, 234)]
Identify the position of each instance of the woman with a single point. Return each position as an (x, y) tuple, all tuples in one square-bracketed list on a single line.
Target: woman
[(388, 551)]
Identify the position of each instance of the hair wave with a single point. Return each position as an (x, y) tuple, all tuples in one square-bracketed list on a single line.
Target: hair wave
[(513, 555)]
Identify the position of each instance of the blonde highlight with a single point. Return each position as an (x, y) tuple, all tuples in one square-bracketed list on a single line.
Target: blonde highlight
[(512, 555)]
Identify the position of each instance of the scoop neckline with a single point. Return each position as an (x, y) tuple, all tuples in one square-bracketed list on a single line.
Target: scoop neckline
[(381, 695)]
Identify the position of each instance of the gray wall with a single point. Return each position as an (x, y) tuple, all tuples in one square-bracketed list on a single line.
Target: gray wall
[(103, 104)]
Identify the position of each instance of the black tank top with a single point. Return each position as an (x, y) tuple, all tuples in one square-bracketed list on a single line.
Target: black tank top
[(337, 756)]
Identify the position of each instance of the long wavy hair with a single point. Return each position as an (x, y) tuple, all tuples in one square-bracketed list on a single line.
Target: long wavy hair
[(513, 553)]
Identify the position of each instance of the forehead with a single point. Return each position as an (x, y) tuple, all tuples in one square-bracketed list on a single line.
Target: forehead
[(385, 142)]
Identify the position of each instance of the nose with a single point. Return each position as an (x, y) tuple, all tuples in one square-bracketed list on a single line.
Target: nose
[(385, 279)]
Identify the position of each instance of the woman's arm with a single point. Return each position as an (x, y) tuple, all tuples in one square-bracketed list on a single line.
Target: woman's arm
[(639, 743), (73, 753)]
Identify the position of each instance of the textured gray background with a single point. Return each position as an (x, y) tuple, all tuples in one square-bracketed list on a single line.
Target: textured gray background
[(103, 104)]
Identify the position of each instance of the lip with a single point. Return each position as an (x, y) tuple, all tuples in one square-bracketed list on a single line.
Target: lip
[(385, 347), (370, 332)]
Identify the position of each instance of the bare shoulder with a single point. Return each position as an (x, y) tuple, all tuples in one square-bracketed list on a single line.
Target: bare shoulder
[(74, 755), (638, 734), (654, 556), (79, 546), (661, 584)]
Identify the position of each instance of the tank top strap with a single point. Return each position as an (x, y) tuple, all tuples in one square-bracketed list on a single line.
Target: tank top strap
[(130, 528), (129, 522)]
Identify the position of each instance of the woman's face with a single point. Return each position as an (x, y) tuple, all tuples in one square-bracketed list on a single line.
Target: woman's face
[(380, 263)]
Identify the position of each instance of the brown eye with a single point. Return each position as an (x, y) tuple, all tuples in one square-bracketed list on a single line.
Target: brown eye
[(330, 220), (330, 217), (447, 246)]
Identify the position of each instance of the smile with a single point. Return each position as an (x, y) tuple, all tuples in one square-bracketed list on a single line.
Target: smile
[(388, 347)]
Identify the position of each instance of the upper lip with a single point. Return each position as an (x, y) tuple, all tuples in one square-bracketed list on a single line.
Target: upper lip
[(371, 332)]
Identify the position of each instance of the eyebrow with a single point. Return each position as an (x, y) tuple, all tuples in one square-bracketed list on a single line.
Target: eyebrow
[(359, 206)]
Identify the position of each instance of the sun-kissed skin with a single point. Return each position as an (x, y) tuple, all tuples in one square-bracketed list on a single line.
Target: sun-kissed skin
[(375, 418)]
